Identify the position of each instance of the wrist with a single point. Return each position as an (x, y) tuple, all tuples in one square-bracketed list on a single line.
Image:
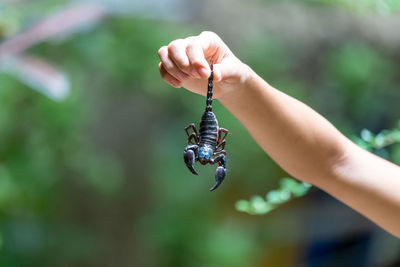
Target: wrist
[(243, 80)]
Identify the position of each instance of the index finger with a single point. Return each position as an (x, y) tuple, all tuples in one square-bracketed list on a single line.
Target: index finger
[(197, 59)]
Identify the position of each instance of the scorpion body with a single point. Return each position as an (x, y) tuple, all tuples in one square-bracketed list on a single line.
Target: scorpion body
[(208, 145)]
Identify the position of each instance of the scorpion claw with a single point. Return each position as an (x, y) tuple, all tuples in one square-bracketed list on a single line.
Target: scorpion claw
[(219, 177), (192, 169), (189, 157)]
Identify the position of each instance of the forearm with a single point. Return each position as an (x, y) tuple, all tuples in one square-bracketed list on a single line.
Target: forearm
[(309, 148), (300, 140), (368, 184)]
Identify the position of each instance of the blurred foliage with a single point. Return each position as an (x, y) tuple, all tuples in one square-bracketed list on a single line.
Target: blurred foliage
[(16, 16), (289, 188), (379, 143), (383, 7), (48, 149), (258, 205)]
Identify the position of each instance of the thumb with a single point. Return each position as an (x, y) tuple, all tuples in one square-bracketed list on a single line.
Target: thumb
[(226, 70)]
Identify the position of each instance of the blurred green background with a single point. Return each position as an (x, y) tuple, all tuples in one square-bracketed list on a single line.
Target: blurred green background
[(91, 139)]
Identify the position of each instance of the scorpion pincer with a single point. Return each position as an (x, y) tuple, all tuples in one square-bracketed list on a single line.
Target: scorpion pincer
[(208, 145)]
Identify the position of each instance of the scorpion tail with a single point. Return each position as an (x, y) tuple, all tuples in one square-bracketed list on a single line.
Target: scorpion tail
[(219, 177)]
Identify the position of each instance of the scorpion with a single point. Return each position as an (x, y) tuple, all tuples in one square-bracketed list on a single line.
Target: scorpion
[(208, 145)]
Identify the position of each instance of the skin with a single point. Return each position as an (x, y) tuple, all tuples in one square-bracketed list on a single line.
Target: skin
[(300, 140)]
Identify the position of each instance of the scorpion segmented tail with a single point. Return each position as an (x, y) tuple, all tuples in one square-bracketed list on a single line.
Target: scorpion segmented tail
[(209, 91), (208, 131)]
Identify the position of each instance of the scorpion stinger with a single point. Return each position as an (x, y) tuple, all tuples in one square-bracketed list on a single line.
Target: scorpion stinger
[(208, 145)]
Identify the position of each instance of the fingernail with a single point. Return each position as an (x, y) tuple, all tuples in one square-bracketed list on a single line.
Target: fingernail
[(203, 72)]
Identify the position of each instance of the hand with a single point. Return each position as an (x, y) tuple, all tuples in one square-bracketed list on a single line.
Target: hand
[(186, 63)]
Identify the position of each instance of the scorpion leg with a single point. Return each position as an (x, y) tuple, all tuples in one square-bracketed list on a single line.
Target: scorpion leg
[(190, 156), (216, 153), (220, 137), (220, 146), (191, 126), (193, 136), (221, 171)]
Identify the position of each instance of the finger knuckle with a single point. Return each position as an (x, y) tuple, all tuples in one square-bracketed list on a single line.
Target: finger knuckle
[(182, 63), (191, 45), (174, 45), (190, 39), (161, 51), (171, 47), (169, 67), (208, 33)]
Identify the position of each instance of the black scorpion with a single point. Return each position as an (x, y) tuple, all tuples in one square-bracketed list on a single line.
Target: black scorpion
[(209, 142)]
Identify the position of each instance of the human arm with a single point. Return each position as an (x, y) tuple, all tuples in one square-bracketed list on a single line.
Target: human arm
[(300, 140)]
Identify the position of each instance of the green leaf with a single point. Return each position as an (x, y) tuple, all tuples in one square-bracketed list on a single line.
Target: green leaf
[(259, 206), (301, 189), (242, 205), (274, 196), (367, 135), (396, 135), (284, 195), (380, 140), (361, 143), (288, 183)]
